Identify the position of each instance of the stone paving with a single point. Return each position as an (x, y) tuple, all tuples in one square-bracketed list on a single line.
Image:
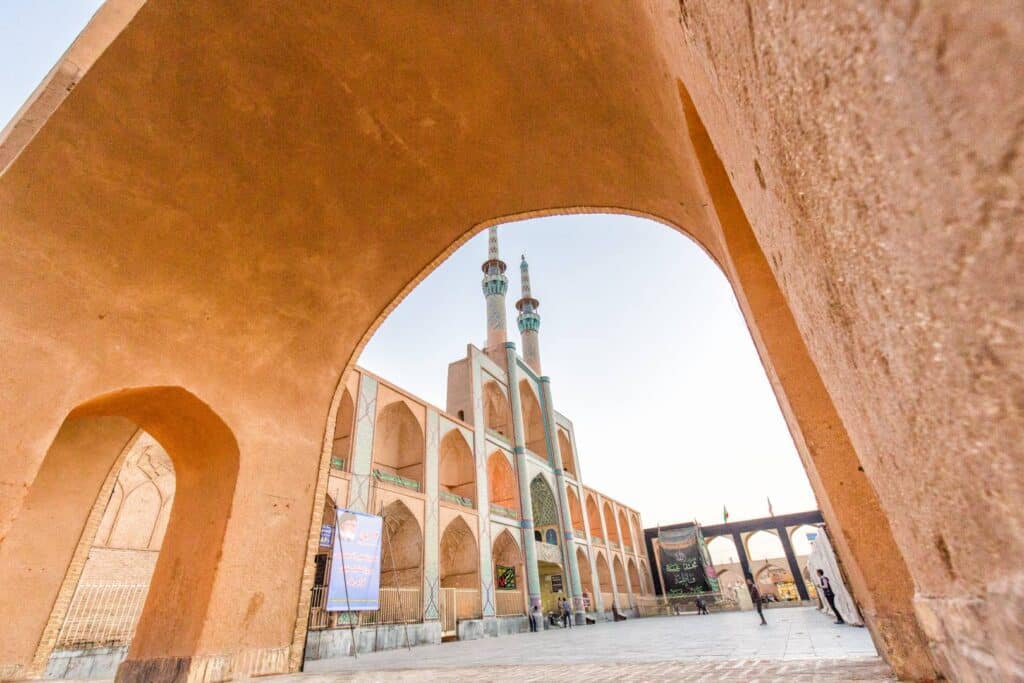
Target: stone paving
[(799, 644)]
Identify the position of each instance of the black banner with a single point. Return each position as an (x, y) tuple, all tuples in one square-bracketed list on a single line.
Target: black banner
[(685, 563)]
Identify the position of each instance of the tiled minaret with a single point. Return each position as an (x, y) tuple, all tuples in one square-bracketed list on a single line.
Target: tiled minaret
[(495, 284), (529, 320)]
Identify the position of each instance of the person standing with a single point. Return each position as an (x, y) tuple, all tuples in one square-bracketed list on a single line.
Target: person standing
[(566, 614), (534, 616), (755, 597), (830, 595)]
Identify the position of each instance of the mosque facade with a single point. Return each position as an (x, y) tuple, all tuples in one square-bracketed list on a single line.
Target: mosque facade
[(484, 506)]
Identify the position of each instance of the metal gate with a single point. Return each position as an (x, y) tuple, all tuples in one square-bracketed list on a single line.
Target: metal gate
[(449, 612)]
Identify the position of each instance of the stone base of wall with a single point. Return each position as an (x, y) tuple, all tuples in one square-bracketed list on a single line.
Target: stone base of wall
[(474, 629), (337, 642), (101, 662)]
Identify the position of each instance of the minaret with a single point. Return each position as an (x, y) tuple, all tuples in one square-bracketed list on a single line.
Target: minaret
[(495, 284), (529, 320)]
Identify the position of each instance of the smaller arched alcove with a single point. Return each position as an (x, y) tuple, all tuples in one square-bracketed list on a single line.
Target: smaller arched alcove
[(568, 455), (344, 421), (502, 486), (533, 421), (497, 414), (398, 446), (457, 470)]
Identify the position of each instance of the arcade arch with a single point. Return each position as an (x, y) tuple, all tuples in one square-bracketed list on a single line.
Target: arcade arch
[(648, 582), (619, 577), (575, 511), (723, 550), (497, 414), (508, 585), (604, 578), (802, 538), (627, 539), (533, 421), (594, 517), (401, 564), (503, 489), (612, 528), (634, 577), (341, 446), (763, 544), (586, 578), (459, 559), (457, 470), (398, 444), (566, 451)]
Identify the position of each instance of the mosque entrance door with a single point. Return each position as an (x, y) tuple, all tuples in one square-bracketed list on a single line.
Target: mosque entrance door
[(554, 584)]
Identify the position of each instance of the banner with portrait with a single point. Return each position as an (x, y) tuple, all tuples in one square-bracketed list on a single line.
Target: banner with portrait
[(355, 563), (685, 562)]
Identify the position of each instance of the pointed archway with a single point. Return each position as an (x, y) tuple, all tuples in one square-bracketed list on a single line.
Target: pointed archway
[(398, 446), (502, 487), (457, 470), (533, 421)]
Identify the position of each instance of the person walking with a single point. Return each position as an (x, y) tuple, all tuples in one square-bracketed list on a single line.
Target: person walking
[(534, 616), (566, 614), (755, 597), (830, 595)]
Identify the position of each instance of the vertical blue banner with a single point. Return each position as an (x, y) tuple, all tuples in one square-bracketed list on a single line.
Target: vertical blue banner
[(355, 563)]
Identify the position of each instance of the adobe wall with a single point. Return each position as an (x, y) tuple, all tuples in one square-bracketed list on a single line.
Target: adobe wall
[(876, 148)]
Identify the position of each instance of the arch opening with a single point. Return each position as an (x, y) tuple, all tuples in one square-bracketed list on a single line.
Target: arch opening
[(399, 449), (533, 421), (594, 517), (568, 455), (460, 567), (457, 470), (575, 512), (612, 532), (497, 413), (341, 446), (503, 488), (509, 575)]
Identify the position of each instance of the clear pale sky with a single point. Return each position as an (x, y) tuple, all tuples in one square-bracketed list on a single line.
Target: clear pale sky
[(647, 350)]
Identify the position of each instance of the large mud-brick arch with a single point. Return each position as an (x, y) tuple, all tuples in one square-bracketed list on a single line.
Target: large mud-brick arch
[(502, 486), (398, 444), (497, 413), (68, 498), (457, 469), (533, 420), (876, 341)]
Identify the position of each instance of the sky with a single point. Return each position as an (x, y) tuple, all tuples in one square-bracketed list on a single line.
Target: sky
[(641, 335)]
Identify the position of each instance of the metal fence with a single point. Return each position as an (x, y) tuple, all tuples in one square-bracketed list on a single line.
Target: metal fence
[(509, 603), (397, 606), (102, 615)]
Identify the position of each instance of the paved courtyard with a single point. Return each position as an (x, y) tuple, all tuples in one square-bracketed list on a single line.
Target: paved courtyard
[(799, 644)]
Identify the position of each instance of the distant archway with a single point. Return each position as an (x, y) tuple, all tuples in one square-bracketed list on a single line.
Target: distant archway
[(763, 544), (497, 414), (503, 489), (533, 421), (341, 448), (648, 581), (722, 550), (457, 470), (567, 453), (398, 445)]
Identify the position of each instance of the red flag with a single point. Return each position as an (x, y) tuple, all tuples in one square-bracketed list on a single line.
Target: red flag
[(725, 514)]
